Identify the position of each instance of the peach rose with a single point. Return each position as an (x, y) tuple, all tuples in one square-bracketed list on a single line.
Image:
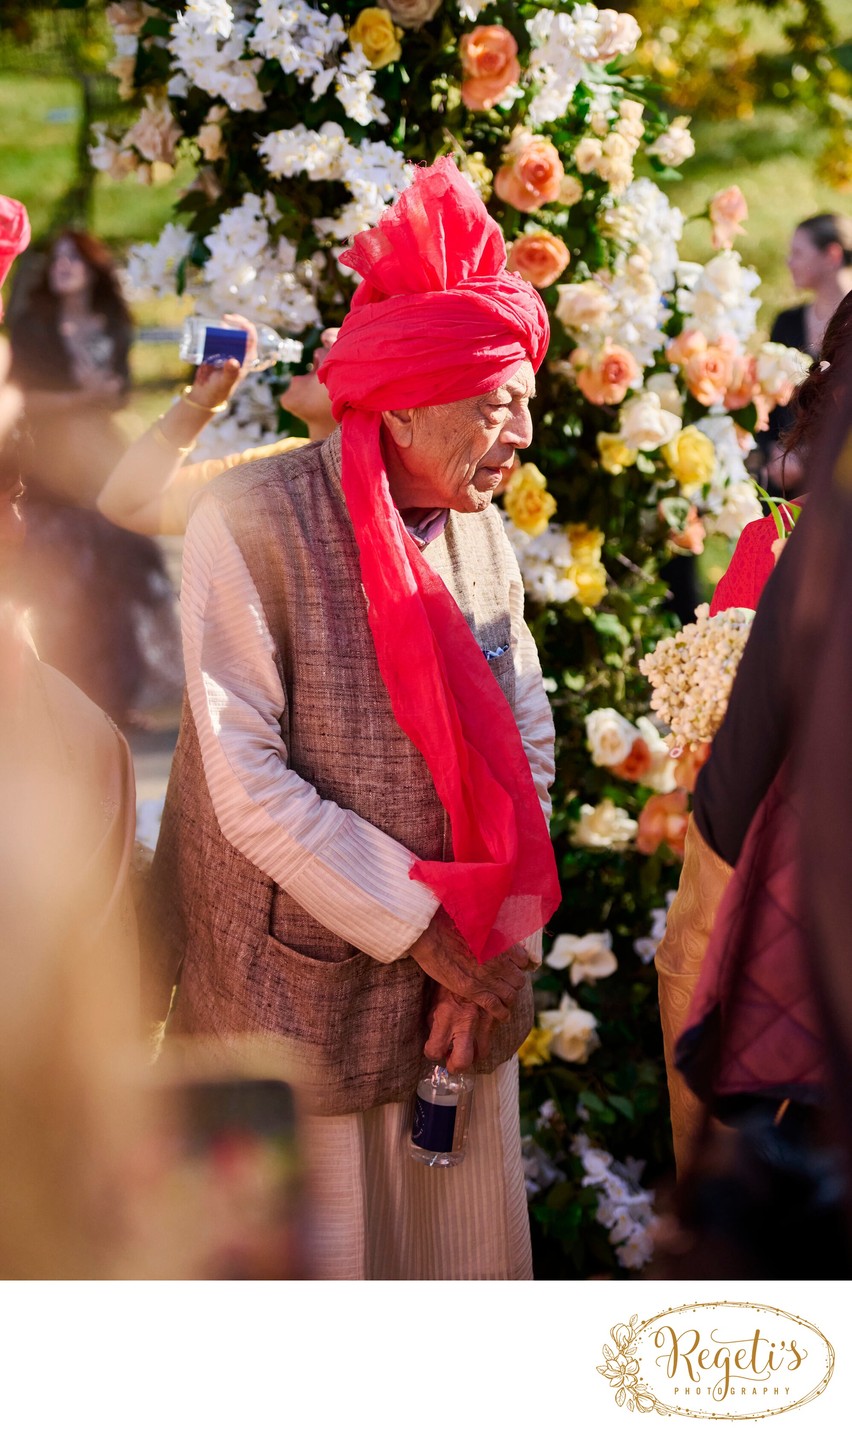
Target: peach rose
[(663, 821), (489, 56), (743, 386), (708, 375), (687, 344), (607, 376), (689, 764), (532, 178), (727, 212), (636, 765), (411, 14), (540, 258)]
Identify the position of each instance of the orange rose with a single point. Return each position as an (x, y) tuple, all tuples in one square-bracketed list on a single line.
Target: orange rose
[(687, 344), (540, 258), (743, 386), (636, 765), (689, 765), (708, 375), (690, 539), (727, 211), (606, 377), (532, 178), (489, 56), (663, 821)]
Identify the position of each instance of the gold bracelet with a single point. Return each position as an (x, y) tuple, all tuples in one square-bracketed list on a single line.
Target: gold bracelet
[(158, 433), (205, 408)]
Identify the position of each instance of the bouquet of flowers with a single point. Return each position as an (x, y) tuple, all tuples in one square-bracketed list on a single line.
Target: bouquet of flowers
[(691, 673)]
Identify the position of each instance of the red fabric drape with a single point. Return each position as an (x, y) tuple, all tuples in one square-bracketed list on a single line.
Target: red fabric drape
[(438, 318)]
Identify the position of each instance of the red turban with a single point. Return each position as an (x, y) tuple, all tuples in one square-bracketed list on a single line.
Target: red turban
[(438, 318), (14, 235)]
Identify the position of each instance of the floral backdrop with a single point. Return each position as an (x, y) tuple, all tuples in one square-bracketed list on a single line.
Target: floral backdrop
[(302, 120)]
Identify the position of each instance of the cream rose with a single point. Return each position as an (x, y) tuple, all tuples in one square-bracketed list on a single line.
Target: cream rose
[(589, 958), (610, 737), (155, 133), (603, 826), (588, 154), (209, 137), (411, 14), (675, 144), (617, 34), (583, 307), (570, 191), (573, 1031), (665, 386), (645, 424), (779, 370)]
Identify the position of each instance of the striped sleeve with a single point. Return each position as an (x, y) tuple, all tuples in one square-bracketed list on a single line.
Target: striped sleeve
[(351, 877)]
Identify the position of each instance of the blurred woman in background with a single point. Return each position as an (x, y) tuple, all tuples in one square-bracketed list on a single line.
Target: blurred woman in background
[(100, 603)]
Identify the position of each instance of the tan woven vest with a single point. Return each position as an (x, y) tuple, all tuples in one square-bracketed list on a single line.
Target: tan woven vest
[(254, 961)]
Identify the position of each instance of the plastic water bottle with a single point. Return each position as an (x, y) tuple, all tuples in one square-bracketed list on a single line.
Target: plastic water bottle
[(442, 1104), (213, 342)]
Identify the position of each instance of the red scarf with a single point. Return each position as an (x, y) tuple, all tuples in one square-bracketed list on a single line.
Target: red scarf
[(438, 318)]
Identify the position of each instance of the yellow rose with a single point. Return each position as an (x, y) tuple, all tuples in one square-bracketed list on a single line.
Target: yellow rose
[(615, 455), (527, 501), (378, 37), (691, 457), (589, 576), (535, 1048), (586, 544)]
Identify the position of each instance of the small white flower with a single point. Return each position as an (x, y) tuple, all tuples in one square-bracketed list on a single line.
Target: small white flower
[(589, 958), (603, 826), (572, 1029)]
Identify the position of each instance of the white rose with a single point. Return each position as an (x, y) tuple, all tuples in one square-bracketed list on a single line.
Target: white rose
[(780, 369), (610, 737), (583, 306), (603, 826), (660, 777), (675, 144), (589, 957), (645, 424), (573, 1031), (665, 386), (587, 155)]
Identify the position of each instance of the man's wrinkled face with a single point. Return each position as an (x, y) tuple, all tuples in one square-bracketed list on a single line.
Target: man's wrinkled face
[(454, 456)]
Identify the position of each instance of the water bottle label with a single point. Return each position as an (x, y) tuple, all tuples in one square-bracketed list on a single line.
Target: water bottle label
[(434, 1126), (223, 344)]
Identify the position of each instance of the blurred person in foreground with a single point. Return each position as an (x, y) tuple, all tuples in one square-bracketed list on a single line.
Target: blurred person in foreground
[(152, 489), (100, 602), (366, 749), (819, 260), (725, 798), (69, 963)]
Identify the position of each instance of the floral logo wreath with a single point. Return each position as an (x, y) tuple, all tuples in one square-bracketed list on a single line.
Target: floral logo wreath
[(621, 1370)]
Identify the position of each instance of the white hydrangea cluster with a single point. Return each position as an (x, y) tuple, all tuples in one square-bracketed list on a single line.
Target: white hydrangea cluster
[(544, 560), (691, 673), (603, 826), (718, 296), (205, 57), (625, 1208), (374, 172), (564, 45), (301, 38), (151, 268), (248, 272)]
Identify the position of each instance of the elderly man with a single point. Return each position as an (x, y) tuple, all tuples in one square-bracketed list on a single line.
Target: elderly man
[(354, 862)]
